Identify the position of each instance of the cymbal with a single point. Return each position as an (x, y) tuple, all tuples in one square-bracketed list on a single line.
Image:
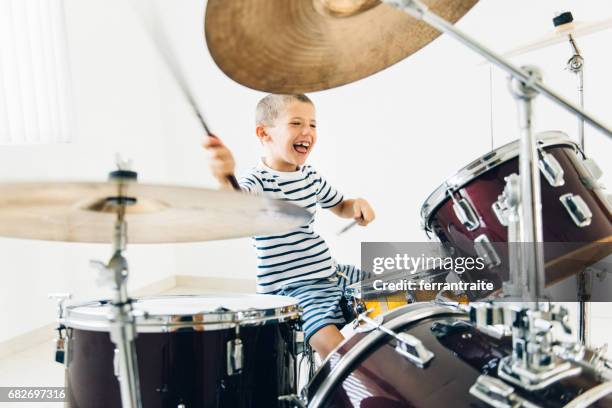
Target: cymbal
[(298, 46), (81, 212), (560, 34)]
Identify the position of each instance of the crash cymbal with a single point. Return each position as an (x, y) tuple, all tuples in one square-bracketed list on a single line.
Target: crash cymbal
[(82, 212), (297, 46), (560, 34)]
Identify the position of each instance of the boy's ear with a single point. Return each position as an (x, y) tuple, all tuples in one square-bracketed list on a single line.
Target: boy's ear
[(261, 133)]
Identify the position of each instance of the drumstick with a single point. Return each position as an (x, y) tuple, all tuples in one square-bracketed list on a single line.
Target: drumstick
[(150, 20), (347, 227)]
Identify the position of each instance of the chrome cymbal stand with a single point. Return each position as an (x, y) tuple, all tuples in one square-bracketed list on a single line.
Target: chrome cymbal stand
[(576, 65), (115, 273), (530, 207)]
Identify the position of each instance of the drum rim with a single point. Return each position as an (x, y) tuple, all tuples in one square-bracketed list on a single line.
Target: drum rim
[(483, 164), (391, 321), (203, 321)]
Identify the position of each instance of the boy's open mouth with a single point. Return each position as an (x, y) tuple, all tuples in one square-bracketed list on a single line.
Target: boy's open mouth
[(302, 147)]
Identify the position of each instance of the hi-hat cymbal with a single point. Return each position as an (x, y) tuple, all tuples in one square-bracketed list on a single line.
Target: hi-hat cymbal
[(295, 46), (81, 212), (560, 34)]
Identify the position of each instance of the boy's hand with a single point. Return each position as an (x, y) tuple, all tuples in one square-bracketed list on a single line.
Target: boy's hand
[(363, 212), (221, 162)]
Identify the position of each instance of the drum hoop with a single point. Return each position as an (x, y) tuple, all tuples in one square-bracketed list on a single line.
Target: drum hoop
[(483, 164), (204, 321), (347, 360), (589, 397)]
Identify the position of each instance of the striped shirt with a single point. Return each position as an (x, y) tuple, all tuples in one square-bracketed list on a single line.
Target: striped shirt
[(299, 254)]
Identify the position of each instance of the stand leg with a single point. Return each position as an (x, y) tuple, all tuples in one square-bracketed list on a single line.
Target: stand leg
[(123, 335)]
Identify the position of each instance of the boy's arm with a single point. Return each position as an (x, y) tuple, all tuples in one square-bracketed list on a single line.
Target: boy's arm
[(357, 208)]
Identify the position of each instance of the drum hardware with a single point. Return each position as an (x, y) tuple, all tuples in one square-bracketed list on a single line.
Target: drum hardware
[(235, 356), (407, 345), (498, 394), (533, 365), (484, 249), (577, 209), (551, 169), (62, 341), (464, 211), (506, 208)]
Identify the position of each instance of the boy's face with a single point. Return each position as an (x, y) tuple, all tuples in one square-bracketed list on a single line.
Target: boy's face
[(292, 136)]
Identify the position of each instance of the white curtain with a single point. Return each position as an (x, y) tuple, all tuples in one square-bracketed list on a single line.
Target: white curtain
[(35, 93)]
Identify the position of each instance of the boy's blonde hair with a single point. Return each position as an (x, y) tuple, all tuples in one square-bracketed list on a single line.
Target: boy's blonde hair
[(269, 107)]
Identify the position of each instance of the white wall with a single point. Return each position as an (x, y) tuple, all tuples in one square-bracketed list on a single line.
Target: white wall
[(391, 138), (117, 98)]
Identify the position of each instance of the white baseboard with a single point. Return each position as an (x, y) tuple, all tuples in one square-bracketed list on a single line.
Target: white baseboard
[(173, 284)]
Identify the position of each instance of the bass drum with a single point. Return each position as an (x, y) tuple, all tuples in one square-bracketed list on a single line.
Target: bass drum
[(184, 351), (367, 372)]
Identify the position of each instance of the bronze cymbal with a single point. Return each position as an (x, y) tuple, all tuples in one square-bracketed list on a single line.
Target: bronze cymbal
[(295, 46), (81, 212)]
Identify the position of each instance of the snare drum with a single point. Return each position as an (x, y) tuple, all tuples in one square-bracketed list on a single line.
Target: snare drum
[(184, 351), (466, 210), (461, 362)]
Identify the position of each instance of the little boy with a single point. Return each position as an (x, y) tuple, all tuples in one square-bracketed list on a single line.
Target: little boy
[(297, 263)]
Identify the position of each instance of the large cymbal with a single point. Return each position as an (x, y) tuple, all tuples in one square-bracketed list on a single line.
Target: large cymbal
[(294, 46), (80, 212)]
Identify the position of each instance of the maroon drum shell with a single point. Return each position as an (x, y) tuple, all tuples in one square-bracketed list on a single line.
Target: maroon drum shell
[(186, 367), (592, 242), (381, 378)]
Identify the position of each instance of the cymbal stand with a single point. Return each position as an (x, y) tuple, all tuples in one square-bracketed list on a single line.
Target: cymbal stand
[(122, 326), (576, 65)]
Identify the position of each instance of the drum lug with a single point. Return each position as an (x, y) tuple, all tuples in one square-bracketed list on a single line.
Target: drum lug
[(116, 366), (577, 208), (551, 169), (413, 349), (500, 209), (466, 213), (406, 344), (485, 250), (62, 347), (235, 357)]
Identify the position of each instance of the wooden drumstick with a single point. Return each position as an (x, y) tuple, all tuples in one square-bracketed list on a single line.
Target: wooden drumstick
[(150, 20)]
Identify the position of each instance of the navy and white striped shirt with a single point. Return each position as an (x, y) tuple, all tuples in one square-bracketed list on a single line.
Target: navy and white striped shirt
[(299, 254)]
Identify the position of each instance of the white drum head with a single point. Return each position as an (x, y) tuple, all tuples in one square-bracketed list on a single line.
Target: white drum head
[(207, 312)]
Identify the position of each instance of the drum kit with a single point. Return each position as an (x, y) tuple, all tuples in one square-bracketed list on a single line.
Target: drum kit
[(420, 349)]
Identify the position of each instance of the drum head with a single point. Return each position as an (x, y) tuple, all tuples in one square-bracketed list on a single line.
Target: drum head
[(199, 312)]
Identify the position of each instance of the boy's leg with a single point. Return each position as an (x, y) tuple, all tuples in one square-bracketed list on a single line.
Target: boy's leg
[(325, 340)]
